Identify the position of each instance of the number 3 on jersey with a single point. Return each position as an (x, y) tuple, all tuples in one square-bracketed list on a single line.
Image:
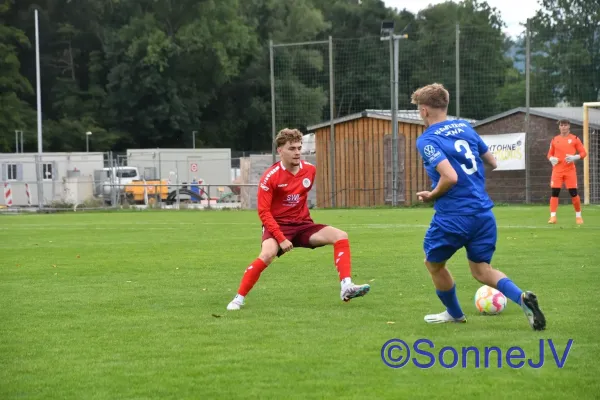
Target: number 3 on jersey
[(469, 154)]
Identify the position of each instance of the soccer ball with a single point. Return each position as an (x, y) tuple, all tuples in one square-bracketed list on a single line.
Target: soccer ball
[(489, 301)]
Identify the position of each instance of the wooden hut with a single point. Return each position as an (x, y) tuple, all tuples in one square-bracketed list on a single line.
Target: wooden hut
[(362, 173)]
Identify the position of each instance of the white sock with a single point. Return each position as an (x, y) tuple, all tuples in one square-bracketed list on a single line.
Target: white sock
[(239, 298), (578, 214), (553, 214), (346, 281)]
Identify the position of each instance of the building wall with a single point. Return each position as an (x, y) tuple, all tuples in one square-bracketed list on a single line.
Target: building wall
[(213, 166), (363, 159), (510, 186), (57, 186)]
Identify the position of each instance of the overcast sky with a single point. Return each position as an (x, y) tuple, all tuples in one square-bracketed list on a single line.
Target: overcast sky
[(513, 12)]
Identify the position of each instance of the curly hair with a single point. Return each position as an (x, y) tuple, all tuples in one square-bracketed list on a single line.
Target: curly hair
[(288, 135)]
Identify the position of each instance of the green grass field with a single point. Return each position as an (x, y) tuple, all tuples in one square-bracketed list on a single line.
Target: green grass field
[(131, 305)]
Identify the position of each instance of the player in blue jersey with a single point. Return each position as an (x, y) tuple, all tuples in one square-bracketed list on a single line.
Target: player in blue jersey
[(455, 158)]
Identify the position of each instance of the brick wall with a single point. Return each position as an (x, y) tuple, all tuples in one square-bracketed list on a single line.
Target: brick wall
[(510, 186)]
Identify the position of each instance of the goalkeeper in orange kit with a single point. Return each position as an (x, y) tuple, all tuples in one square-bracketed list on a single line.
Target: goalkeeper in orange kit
[(562, 155)]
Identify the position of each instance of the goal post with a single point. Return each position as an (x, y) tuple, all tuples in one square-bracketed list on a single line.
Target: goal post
[(586, 145)]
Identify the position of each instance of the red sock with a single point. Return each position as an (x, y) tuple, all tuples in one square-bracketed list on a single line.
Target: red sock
[(576, 203), (251, 276), (553, 204), (341, 255)]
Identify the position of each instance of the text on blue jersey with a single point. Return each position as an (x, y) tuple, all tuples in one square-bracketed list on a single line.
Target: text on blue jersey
[(457, 142)]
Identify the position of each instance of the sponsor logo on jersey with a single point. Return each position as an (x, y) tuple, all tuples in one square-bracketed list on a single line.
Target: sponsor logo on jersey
[(431, 153), (291, 200)]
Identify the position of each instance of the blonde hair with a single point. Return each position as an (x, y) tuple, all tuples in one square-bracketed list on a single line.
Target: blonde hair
[(288, 135), (434, 96)]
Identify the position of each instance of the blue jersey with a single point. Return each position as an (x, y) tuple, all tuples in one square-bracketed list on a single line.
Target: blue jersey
[(457, 142)]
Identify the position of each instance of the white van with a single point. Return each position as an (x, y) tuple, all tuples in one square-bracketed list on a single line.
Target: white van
[(120, 176)]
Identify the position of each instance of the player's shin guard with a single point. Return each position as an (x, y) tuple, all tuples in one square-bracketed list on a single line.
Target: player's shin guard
[(510, 290), (251, 276), (342, 258), (450, 300)]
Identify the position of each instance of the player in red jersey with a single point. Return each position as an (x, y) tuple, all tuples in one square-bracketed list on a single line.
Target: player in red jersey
[(282, 193), (562, 157)]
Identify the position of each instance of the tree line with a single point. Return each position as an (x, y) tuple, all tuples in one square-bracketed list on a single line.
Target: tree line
[(147, 73)]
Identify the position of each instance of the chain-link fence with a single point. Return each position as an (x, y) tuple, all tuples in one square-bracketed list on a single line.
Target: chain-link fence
[(203, 178), (333, 88)]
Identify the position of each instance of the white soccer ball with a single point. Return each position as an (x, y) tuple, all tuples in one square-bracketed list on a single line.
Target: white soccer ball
[(489, 301)]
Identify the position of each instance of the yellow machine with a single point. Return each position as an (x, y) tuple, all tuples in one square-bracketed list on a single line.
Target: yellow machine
[(134, 192)]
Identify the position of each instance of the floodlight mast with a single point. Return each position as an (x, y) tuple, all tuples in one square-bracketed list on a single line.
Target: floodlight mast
[(387, 33)]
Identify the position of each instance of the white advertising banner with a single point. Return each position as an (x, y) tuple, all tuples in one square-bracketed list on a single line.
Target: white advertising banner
[(509, 150)]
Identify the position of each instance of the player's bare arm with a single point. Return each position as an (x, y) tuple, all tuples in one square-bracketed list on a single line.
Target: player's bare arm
[(448, 178), (489, 160)]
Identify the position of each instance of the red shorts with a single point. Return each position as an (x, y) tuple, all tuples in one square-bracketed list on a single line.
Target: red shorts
[(299, 234), (569, 178)]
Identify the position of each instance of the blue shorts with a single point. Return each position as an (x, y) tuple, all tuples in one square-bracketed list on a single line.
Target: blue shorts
[(449, 233)]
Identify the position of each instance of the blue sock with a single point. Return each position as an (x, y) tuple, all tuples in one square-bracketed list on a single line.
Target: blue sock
[(510, 290), (450, 300)]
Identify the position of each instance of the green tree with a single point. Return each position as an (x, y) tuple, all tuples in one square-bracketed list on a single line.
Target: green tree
[(482, 61), (15, 113), (566, 49), (362, 60), (167, 63)]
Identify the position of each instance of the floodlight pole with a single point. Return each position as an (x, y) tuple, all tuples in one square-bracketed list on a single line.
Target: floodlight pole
[(39, 173), (394, 69)]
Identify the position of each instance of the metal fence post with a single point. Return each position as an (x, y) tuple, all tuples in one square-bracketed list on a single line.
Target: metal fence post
[(457, 70), (177, 181), (331, 123), (396, 169), (527, 105), (273, 127), (40, 180)]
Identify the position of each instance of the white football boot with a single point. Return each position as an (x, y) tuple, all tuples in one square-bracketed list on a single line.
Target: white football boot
[(236, 304), (442, 318), (351, 291)]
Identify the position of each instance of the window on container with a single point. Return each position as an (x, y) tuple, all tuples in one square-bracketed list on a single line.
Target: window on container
[(11, 172), (47, 171)]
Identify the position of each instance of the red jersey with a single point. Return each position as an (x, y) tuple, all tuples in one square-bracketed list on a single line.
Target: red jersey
[(563, 145), (282, 196)]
